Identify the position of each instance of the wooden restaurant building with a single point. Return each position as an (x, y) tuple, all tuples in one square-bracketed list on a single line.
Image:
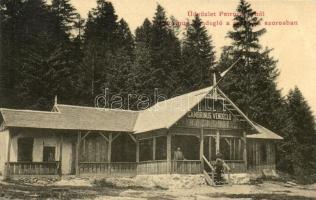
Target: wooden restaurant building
[(112, 142)]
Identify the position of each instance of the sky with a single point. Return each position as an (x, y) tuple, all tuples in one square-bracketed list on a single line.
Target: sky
[(293, 44)]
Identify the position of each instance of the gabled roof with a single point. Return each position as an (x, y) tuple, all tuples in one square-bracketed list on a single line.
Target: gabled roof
[(264, 133), (165, 113), (162, 115), (72, 118), (90, 118), (30, 118)]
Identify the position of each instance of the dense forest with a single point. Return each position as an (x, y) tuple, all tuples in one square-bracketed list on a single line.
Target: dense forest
[(49, 49)]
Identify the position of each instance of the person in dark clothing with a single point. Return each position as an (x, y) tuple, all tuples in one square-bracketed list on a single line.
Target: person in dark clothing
[(178, 155), (220, 165)]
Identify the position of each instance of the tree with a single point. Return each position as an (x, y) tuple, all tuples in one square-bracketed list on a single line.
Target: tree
[(165, 55), (102, 25), (24, 21), (251, 84), (198, 57), (45, 74), (142, 64), (39, 62), (108, 54), (158, 57), (125, 38), (121, 79), (100, 37), (298, 149), (10, 32), (65, 16)]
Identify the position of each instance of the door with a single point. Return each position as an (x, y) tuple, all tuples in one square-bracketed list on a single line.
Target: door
[(25, 149)]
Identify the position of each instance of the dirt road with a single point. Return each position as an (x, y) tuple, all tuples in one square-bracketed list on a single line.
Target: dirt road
[(266, 190), (153, 187)]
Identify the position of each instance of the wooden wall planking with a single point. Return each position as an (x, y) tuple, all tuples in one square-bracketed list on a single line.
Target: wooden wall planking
[(94, 148), (255, 159)]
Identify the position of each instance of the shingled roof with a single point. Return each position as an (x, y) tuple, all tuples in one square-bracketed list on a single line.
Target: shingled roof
[(165, 113), (264, 133), (69, 117), (31, 118), (162, 115)]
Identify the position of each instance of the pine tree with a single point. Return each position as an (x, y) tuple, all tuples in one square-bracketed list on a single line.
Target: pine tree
[(100, 38), (143, 33), (158, 57), (251, 84), (108, 54), (198, 57), (142, 65), (65, 16), (10, 32), (102, 25), (298, 149), (125, 38), (45, 74), (47, 58), (42, 62), (79, 26), (65, 19), (26, 20), (121, 78)]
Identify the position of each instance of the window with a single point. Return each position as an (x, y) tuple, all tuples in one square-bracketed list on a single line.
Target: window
[(25, 149), (49, 154)]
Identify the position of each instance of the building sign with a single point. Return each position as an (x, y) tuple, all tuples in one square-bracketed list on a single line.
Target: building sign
[(209, 115)]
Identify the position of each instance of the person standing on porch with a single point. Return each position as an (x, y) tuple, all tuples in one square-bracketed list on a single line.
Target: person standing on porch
[(178, 155)]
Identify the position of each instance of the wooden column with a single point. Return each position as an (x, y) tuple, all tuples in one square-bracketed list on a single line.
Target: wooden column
[(61, 153), (202, 149), (110, 152), (210, 148), (217, 141), (7, 168), (77, 153), (169, 152), (201, 144), (137, 151), (154, 148), (110, 148), (245, 148), (230, 150)]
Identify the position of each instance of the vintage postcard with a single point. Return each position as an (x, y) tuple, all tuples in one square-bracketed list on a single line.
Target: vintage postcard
[(164, 99)]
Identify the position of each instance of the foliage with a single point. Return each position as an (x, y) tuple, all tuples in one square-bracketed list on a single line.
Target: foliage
[(198, 57), (251, 84), (298, 149)]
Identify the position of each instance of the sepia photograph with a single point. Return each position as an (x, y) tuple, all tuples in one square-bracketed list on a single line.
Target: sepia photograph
[(158, 99)]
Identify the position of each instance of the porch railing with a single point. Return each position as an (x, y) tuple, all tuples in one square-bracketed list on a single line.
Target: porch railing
[(118, 168), (177, 167), (124, 168), (186, 166), (152, 167), (33, 168)]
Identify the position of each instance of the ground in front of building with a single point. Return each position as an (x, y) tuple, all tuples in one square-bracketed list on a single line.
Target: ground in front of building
[(174, 187)]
